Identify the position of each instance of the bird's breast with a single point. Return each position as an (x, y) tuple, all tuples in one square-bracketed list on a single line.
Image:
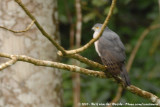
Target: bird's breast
[(96, 47), (96, 42), (95, 34)]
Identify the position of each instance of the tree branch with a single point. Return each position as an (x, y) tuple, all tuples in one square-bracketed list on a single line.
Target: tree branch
[(99, 35), (144, 94), (143, 35), (117, 97), (8, 63), (77, 69), (88, 62), (26, 29), (72, 68)]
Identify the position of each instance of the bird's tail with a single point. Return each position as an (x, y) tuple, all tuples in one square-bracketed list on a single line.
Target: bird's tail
[(124, 75)]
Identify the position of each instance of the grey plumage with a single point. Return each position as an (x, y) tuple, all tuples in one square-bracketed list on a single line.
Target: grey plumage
[(112, 52)]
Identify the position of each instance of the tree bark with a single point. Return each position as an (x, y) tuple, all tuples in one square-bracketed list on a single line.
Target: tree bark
[(23, 84)]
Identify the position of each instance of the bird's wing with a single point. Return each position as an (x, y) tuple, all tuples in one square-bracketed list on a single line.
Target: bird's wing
[(112, 53), (110, 46), (112, 64)]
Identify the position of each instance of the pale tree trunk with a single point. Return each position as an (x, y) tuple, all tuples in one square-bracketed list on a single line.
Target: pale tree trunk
[(23, 84)]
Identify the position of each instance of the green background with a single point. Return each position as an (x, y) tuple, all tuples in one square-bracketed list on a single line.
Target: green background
[(130, 18)]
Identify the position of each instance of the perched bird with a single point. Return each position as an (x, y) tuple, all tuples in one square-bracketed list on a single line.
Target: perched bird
[(112, 52)]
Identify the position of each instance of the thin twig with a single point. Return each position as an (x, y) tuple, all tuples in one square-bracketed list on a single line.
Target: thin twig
[(117, 97), (49, 37), (99, 35), (143, 35), (26, 29)]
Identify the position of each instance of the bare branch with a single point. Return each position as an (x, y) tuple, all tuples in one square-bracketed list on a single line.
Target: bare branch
[(8, 63), (77, 69), (49, 37), (143, 35), (99, 35), (144, 94), (26, 29), (88, 62), (72, 68), (118, 96), (85, 60)]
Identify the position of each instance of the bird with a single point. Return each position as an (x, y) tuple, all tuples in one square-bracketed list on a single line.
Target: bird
[(112, 52)]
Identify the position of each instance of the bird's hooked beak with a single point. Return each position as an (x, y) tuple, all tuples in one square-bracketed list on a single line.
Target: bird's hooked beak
[(95, 28)]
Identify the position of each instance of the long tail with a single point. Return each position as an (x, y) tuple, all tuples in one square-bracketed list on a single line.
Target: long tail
[(124, 75)]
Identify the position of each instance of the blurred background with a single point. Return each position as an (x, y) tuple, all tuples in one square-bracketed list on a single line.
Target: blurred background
[(129, 20)]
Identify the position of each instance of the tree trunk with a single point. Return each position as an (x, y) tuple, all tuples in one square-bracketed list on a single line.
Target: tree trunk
[(23, 84)]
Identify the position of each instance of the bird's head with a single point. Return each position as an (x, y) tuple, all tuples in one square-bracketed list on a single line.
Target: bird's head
[(97, 27)]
